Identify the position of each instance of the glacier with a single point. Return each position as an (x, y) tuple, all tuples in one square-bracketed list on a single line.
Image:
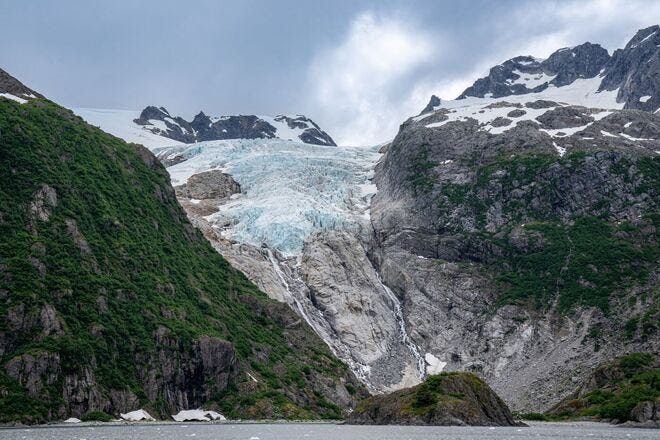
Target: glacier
[(289, 190)]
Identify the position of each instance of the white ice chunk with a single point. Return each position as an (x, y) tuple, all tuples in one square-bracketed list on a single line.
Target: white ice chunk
[(72, 420), (136, 416), (197, 415)]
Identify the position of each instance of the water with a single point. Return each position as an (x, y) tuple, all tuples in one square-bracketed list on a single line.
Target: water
[(309, 431)]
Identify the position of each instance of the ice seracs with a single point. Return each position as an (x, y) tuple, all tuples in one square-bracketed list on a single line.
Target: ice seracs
[(289, 190)]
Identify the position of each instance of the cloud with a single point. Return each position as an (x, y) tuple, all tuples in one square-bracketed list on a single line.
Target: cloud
[(360, 85), (384, 68), (552, 25)]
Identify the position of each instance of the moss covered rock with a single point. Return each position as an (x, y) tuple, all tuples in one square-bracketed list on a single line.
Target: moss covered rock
[(443, 399)]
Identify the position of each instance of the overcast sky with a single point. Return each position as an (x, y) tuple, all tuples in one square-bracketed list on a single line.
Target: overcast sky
[(357, 67)]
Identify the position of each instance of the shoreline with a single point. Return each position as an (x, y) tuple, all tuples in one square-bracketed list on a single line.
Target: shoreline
[(576, 423)]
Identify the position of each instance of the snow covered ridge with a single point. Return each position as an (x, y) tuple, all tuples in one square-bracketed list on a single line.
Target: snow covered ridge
[(205, 128), (154, 127), (289, 190), (630, 77)]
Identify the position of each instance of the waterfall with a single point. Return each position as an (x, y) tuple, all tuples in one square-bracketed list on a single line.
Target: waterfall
[(314, 318), (405, 338)]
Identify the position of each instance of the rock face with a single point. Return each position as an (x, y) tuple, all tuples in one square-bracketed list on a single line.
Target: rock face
[(493, 207), (209, 185), (431, 106), (204, 128), (481, 211), (526, 74), (445, 399), (634, 71)]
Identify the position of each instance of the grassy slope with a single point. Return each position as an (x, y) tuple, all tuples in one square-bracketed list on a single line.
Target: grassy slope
[(146, 263)]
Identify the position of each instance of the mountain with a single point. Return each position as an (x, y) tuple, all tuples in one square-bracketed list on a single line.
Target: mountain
[(112, 301), (155, 127), (530, 252), (511, 233), (632, 72)]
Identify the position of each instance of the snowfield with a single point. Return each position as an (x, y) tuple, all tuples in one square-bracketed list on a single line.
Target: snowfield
[(583, 92), (120, 123)]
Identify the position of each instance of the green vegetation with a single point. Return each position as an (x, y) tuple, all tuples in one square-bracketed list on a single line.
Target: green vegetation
[(116, 261), (579, 264), (433, 390), (420, 171), (96, 416), (620, 386)]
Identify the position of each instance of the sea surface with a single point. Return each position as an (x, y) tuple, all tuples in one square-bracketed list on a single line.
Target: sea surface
[(312, 431)]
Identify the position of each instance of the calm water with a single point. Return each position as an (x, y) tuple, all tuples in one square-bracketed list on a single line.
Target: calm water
[(304, 431)]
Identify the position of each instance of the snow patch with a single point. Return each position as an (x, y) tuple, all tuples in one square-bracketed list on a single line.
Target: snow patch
[(531, 80), (72, 420), (560, 150), (13, 98), (433, 364), (644, 98)]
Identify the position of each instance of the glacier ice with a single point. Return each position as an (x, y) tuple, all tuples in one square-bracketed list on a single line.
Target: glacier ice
[(289, 190)]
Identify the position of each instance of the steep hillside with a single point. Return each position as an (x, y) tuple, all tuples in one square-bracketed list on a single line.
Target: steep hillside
[(110, 300)]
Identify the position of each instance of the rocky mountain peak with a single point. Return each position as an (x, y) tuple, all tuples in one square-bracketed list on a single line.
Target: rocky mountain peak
[(204, 128), (152, 112), (643, 36), (433, 103), (12, 88), (569, 64), (635, 71)]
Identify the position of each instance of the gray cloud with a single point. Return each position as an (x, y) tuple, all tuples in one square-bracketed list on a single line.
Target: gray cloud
[(357, 67)]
